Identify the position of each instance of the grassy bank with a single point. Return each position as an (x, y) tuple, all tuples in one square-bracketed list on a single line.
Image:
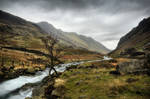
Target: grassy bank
[(98, 83)]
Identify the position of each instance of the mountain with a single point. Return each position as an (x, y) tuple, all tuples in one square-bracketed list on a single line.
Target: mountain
[(73, 39), (137, 38), (27, 32)]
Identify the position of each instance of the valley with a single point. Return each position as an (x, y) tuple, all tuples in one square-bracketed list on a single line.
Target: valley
[(39, 61)]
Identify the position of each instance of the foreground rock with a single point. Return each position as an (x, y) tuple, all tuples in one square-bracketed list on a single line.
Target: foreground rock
[(9, 73), (135, 66), (45, 89)]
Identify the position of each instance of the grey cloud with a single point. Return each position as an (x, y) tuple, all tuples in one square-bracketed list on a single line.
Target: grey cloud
[(110, 5), (104, 20)]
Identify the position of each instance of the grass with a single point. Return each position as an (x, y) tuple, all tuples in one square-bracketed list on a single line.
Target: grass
[(98, 83), (15, 60), (19, 58)]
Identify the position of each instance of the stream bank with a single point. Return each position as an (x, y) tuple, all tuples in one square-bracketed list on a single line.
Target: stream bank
[(12, 88)]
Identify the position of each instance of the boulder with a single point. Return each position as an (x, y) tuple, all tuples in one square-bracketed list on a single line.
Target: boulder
[(31, 70), (133, 67), (130, 80)]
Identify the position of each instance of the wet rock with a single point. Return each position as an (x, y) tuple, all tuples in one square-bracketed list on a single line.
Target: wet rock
[(31, 71), (43, 90), (42, 68), (29, 86), (48, 91), (71, 67), (37, 91), (1, 76)]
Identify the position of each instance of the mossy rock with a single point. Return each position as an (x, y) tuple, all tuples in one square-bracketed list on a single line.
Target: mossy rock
[(31, 70)]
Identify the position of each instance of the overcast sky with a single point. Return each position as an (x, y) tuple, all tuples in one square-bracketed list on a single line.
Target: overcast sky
[(104, 20)]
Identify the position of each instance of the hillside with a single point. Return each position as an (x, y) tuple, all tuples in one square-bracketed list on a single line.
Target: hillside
[(73, 39), (18, 32), (22, 33), (137, 38), (22, 50)]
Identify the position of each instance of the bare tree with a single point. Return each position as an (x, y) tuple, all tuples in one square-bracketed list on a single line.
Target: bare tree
[(54, 53)]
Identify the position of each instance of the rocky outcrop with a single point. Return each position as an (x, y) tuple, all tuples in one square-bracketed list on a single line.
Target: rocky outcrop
[(132, 53), (143, 27), (44, 89), (9, 73), (137, 38), (135, 66)]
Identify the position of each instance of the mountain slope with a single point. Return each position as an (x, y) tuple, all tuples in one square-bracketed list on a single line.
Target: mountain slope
[(27, 32), (21, 47), (73, 39), (136, 38)]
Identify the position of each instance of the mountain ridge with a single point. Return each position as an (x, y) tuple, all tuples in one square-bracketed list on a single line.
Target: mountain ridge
[(33, 31), (73, 38), (137, 38)]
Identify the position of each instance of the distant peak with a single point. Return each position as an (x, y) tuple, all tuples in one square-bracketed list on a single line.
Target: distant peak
[(45, 22), (145, 21)]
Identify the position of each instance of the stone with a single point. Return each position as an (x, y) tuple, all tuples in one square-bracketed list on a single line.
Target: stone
[(134, 66), (130, 80), (79, 82)]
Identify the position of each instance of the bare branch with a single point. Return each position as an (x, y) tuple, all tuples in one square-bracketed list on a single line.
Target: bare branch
[(53, 51)]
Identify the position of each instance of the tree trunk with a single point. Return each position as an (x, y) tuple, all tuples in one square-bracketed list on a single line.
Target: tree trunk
[(50, 71), (55, 70)]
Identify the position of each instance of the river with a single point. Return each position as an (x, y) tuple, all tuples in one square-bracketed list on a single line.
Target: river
[(10, 89)]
